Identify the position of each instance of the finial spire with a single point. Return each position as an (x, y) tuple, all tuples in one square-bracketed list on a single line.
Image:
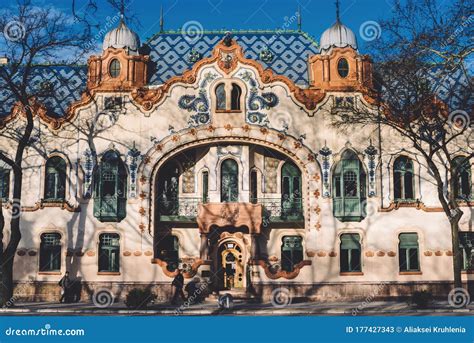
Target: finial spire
[(337, 11), (122, 11), (299, 18), (161, 20)]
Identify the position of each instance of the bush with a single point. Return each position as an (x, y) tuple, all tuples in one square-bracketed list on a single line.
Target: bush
[(421, 298), (139, 298)]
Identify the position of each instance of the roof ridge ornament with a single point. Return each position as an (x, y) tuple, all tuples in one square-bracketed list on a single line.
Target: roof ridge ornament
[(338, 18)]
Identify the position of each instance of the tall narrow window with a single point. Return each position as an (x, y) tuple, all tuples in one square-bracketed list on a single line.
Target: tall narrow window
[(349, 188), (229, 181), (466, 240), (109, 252), (168, 189), (168, 251), (110, 191), (50, 252), (350, 256), (221, 97), (205, 186), (235, 97), (408, 252), (291, 252), (403, 180), (463, 185), (343, 67), (55, 182), (253, 187), (4, 183), (291, 201)]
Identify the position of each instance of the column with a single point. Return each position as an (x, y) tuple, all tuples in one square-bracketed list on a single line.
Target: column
[(204, 248)]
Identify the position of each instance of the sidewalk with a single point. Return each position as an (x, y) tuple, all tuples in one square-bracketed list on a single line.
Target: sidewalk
[(240, 308)]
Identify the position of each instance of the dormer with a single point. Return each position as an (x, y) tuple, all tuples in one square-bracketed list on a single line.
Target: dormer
[(120, 67)]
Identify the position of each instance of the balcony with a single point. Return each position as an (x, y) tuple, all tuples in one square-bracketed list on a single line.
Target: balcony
[(272, 209), (278, 210)]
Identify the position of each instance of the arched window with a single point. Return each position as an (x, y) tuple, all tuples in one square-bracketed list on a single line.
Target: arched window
[(221, 97), (343, 67), (55, 181), (253, 187), (109, 252), (235, 97), (350, 256), (291, 252), (408, 255), (291, 202), (50, 252), (168, 251), (349, 188), (463, 185), (205, 186), (110, 191), (403, 180), (4, 183), (229, 181), (114, 69), (168, 189)]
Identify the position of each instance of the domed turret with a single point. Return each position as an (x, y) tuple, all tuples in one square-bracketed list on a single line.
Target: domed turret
[(339, 36), (122, 38)]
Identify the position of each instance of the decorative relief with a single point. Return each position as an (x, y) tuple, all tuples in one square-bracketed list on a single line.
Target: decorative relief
[(271, 174), (133, 159), (326, 160), (370, 154), (266, 55), (188, 177), (256, 103), (88, 162), (198, 104)]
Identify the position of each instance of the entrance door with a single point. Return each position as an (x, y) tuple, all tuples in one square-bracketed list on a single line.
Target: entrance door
[(232, 266)]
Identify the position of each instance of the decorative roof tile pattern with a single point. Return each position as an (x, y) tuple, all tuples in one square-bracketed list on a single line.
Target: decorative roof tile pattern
[(286, 53), (57, 87)]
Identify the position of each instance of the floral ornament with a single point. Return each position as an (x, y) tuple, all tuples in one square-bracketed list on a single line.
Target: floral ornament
[(133, 158), (194, 56), (198, 104), (371, 153), (325, 154), (266, 55), (88, 162)]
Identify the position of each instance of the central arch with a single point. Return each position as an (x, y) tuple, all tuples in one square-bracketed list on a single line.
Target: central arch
[(182, 140)]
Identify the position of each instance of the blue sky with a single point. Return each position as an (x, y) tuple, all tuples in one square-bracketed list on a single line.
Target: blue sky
[(317, 15)]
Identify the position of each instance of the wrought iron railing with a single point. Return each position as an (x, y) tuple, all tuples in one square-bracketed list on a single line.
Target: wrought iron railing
[(277, 208), (179, 207)]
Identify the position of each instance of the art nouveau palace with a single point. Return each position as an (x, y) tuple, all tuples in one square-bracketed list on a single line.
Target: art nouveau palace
[(217, 156)]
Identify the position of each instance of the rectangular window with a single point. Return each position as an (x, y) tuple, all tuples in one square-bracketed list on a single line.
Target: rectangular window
[(291, 252), (350, 256), (408, 252), (4, 183), (466, 240), (50, 252), (109, 253)]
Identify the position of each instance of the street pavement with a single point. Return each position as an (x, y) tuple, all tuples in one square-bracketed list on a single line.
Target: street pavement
[(241, 308)]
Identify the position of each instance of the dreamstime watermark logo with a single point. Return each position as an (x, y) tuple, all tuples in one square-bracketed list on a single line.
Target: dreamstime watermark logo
[(283, 120), (459, 297), (370, 298), (14, 31), (281, 297), (459, 120), (102, 298), (192, 31), (370, 30), (195, 297), (16, 209), (368, 208)]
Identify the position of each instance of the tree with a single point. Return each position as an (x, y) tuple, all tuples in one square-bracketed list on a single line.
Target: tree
[(422, 49), (31, 37)]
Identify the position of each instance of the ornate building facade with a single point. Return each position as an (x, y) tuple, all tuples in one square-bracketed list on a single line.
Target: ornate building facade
[(217, 156)]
